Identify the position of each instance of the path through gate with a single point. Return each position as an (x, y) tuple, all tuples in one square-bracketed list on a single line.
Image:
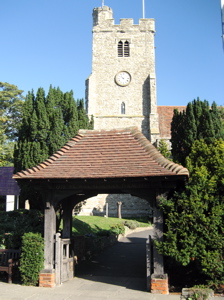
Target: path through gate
[(64, 260)]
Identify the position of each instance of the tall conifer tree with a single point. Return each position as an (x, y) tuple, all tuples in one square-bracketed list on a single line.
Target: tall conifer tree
[(47, 124), (82, 121), (70, 114), (200, 121)]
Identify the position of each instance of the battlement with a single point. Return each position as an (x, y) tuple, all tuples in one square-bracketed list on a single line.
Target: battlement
[(103, 17), (126, 22)]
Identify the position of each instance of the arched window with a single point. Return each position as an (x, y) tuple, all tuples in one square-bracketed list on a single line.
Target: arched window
[(120, 49), (123, 49), (126, 49), (123, 108)]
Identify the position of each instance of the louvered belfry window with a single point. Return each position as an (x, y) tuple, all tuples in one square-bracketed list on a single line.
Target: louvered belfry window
[(126, 49), (120, 49), (123, 49)]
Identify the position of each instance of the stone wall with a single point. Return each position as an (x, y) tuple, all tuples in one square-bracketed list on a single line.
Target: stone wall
[(131, 206)]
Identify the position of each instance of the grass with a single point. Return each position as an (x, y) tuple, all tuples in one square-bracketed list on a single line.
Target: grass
[(82, 225)]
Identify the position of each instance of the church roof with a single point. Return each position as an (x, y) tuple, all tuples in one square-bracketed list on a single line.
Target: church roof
[(165, 118), (105, 154), (8, 186)]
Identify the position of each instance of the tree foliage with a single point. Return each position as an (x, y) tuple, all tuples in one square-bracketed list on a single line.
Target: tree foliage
[(221, 112), (11, 101), (13, 224), (197, 122), (194, 214), (194, 217), (48, 122), (6, 150), (163, 149)]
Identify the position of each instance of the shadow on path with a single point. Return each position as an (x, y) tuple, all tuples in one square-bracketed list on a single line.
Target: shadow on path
[(123, 264)]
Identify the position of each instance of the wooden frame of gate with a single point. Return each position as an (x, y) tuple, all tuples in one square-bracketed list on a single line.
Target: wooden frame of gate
[(62, 266), (120, 161)]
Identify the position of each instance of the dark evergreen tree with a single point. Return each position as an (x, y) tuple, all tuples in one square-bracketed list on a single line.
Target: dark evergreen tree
[(194, 216), (218, 126), (70, 114), (200, 121), (176, 134), (190, 128), (47, 124), (57, 133), (82, 120)]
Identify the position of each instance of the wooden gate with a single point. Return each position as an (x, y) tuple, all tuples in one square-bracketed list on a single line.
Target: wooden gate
[(64, 260)]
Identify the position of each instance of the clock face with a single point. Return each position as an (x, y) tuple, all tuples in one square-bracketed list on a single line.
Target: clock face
[(123, 78)]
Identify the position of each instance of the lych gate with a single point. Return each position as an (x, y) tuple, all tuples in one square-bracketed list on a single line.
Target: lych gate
[(99, 162)]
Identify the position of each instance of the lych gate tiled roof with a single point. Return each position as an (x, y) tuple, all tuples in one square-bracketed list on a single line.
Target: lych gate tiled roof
[(105, 154), (8, 186), (165, 118)]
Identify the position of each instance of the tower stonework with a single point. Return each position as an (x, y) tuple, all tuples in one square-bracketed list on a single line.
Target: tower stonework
[(121, 90)]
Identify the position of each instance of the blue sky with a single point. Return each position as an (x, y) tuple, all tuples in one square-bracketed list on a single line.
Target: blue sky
[(47, 42)]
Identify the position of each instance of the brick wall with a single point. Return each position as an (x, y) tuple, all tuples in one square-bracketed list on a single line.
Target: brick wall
[(159, 285), (47, 279)]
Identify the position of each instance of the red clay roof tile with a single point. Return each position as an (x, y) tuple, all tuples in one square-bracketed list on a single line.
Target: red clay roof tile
[(105, 154)]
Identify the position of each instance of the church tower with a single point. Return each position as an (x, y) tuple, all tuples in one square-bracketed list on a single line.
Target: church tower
[(121, 90)]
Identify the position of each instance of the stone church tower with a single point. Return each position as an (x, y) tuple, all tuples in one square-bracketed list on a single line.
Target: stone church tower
[(121, 91)]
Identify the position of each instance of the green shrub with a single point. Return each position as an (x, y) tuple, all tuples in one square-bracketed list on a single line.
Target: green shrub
[(32, 258), (117, 229), (132, 224), (14, 224), (103, 233), (200, 294)]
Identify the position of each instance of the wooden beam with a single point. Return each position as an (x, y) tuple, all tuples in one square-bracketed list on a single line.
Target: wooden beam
[(49, 235), (157, 235)]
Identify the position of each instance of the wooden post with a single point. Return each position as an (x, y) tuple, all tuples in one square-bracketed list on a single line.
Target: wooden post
[(159, 280), (58, 259), (49, 233), (157, 235), (67, 220), (47, 275)]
